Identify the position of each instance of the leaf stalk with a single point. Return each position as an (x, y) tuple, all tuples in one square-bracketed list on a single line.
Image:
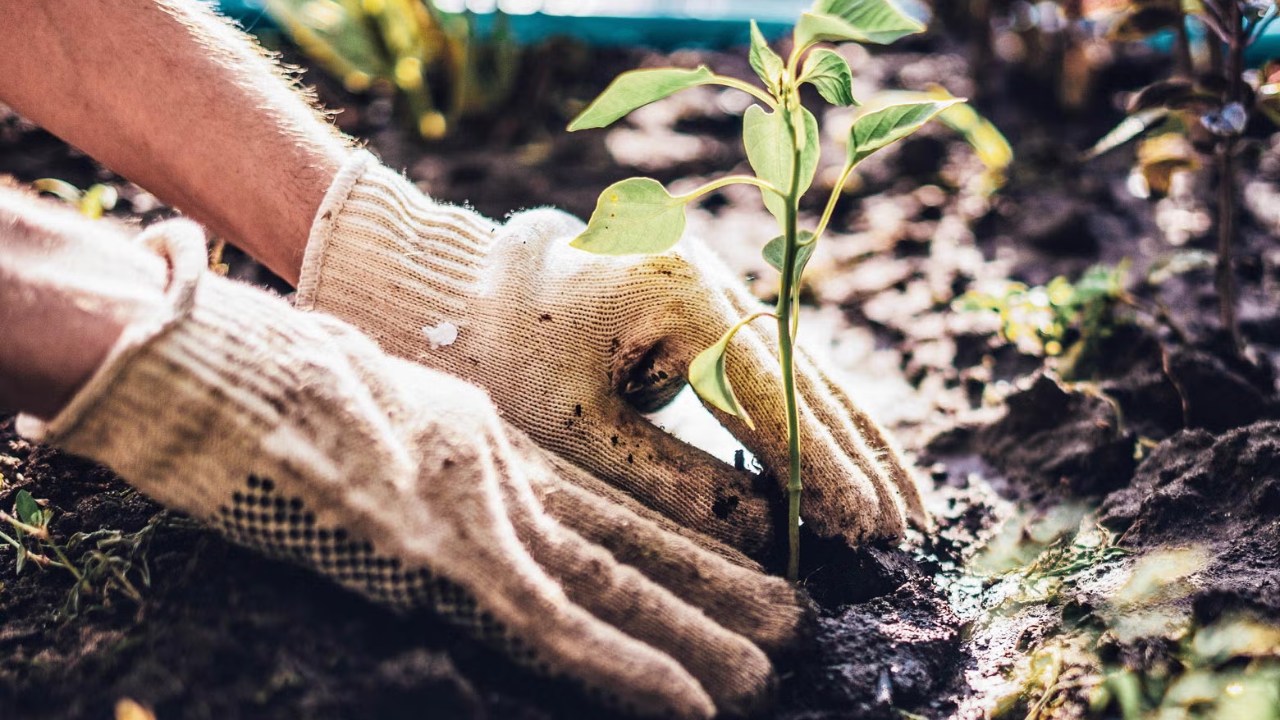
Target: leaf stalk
[(730, 180), (746, 87)]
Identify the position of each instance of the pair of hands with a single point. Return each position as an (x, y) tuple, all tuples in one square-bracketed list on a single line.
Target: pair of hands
[(574, 347), (651, 602)]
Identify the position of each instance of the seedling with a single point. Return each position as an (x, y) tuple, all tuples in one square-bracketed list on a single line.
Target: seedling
[(110, 561), (30, 524), (1206, 109), (1061, 319), (639, 215)]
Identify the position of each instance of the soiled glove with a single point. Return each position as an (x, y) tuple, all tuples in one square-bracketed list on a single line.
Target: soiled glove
[(296, 435), (572, 347)]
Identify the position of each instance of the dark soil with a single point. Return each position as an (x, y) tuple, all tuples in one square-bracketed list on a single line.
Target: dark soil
[(1173, 437)]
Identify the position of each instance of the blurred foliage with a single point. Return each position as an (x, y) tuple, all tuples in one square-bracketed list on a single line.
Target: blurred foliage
[(1059, 319), (983, 136), (1229, 670), (434, 60), (1134, 652), (1196, 108)]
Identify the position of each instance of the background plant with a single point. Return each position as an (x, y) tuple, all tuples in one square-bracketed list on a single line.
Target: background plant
[(639, 216), (1060, 319), (435, 60), (1205, 108)]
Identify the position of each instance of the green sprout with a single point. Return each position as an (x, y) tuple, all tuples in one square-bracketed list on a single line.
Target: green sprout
[(92, 203), (1062, 319), (639, 216), (109, 561)]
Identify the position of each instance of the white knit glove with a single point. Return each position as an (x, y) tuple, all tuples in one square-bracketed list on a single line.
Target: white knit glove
[(572, 346), (294, 434)]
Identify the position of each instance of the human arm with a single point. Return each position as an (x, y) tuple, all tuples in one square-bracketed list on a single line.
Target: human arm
[(174, 98)]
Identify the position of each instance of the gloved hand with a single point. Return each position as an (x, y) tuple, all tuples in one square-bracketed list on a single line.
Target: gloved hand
[(572, 347), (294, 434)]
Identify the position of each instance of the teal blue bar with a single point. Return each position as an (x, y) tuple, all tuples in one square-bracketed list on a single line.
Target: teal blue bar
[(664, 32), (671, 24)]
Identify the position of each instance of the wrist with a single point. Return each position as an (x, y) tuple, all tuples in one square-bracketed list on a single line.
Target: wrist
[(377, 235), (68, 289)]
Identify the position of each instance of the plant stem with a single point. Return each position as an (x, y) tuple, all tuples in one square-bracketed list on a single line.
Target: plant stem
[(1182, 44), (746, 87), (730, 180), (1224, 278), (38, 533), (1225, 275), (786, 338), (831, 202)]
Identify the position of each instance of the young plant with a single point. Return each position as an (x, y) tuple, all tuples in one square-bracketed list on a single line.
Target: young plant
[(1062, 319), (110, 561), (639, 216), (1210, 106), (30, 524)]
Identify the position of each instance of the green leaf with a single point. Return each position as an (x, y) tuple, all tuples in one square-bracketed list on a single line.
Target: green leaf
[(637, 88), (764, 60), (775, 248), (97, 200), (27, 509), (636, 216), (830, 74), (867, 21), (58, 188), (815, 28), (769, 149), (888, 124), (984, 137), (708, 378), (881, 21)]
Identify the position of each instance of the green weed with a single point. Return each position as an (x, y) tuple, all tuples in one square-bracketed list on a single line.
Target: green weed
[(108, 563), (1062, 319), (92, 203)]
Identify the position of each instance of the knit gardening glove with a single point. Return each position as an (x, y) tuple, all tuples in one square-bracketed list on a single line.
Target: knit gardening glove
[(294, 434), (573, 346)]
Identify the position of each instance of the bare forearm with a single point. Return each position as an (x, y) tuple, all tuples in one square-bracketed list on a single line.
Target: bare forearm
[(170, 96)]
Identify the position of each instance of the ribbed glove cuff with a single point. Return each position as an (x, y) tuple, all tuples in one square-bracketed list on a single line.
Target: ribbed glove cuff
[(378, 242), (187, 391)]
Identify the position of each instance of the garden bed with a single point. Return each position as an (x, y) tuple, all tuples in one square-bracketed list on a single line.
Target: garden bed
[(1168, 459)]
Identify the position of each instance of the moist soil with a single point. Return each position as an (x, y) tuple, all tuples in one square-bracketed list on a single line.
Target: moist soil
[(1166, 440)]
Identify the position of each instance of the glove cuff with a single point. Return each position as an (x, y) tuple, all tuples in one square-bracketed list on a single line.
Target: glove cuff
[(188, 392), (378, 241)]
